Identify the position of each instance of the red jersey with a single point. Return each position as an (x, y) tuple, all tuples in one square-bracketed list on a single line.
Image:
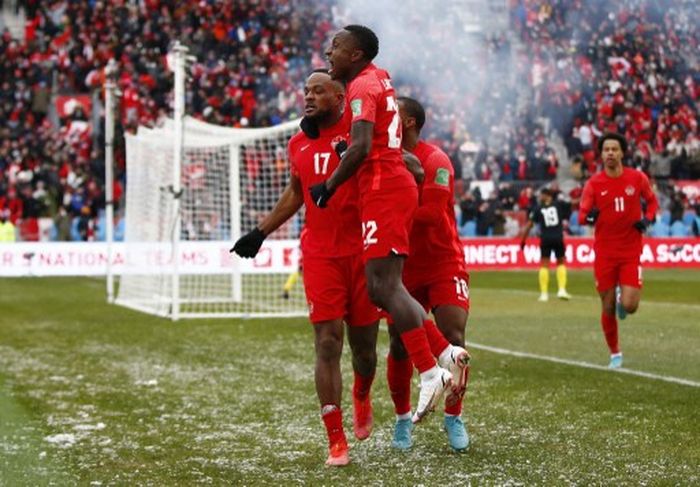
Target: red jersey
[(620, 203), (334, 231), (434, 237), (371, 98)]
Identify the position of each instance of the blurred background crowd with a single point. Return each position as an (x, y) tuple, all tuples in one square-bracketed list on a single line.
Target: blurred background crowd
[(574, 71)]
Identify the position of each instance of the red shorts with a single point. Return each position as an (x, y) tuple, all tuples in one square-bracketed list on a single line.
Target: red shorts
[(609, 272), (449, 287), (336, 288), (386, 221)]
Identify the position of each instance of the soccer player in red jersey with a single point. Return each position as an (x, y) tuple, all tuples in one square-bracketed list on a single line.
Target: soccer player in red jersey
[(388, 199), (436, 276), (331, 245), (612, 200)]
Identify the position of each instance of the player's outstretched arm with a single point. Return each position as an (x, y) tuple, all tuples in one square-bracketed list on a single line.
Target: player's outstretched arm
[(587, 212), (361, 137), (361, 134), (525, 233), (287, 205)]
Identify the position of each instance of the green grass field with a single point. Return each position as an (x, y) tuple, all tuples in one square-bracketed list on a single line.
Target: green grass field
[(93, 394)]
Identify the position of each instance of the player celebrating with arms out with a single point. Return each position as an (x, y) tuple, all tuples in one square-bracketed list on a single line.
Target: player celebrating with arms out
[(612, 200), (331, 246), (550, 216), (388, 199), (436, 276)]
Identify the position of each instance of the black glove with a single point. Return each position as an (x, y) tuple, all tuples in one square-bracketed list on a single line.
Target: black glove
[(340, 148), (310, 128), (592, 216), (249, 244), (642, 224), (320, 194)]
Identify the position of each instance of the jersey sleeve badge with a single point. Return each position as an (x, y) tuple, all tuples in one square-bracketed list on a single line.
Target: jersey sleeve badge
[(356, 107), (442, 177)]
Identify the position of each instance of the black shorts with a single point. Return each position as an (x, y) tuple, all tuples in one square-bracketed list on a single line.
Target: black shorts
[(549, 246)]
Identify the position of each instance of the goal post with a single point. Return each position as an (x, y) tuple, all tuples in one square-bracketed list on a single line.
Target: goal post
[(229, 179)]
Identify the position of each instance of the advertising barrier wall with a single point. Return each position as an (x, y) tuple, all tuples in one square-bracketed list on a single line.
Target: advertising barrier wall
[(281, 256)]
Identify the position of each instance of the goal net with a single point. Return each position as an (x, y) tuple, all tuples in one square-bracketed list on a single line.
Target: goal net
[(177, 236)]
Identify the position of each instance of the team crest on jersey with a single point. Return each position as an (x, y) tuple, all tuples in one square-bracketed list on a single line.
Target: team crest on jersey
[(356, 107), (629, 190), (442, 177)]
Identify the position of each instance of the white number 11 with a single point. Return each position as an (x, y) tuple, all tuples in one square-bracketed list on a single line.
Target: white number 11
[(619, 204)]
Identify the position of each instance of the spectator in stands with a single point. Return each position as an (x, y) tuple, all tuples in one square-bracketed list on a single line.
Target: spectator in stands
[(696, 221), (62, 224), (7, 228)]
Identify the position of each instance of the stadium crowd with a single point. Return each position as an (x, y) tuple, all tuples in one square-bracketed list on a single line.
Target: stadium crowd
[(570, 67)]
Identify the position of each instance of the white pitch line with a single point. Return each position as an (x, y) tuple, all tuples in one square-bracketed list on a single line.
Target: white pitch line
[(642, 303), (586, 365)]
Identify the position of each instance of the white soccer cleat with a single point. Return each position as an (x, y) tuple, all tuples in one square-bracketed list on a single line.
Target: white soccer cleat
[(562, 294), (431, 391), (544, 297), (457, 362)]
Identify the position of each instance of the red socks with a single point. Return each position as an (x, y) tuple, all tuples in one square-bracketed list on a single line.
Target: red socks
[(436, 339), (398, 375), (332, 417), (609, 323), (362, 385), (415, 341)]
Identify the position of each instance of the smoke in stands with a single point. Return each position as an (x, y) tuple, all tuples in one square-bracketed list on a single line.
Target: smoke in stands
[(517, 93)]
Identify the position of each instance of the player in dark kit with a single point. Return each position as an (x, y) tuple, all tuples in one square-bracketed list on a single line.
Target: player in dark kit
[(331, 245), (388, 199), (550, 216), (612, 200), (436, 275)]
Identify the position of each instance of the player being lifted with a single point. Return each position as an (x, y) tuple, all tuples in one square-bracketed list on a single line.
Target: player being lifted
[(331, 245), (436, 276), (612, 200), (388, 199), (550, 216)]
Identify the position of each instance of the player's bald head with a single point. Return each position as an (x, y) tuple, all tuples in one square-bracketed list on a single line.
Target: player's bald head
[(322, 77)]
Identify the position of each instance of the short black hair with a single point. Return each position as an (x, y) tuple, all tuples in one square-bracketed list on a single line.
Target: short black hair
[(547, 191), (612, 136), (366, 39), (320, 70), (414, 109)]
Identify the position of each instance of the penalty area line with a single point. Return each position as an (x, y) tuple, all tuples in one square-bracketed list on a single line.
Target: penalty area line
[(586, 365)]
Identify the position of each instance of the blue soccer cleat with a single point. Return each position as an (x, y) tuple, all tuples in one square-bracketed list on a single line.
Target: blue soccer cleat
[(615, 361), (621, 312), (402, 434), (456, 433)]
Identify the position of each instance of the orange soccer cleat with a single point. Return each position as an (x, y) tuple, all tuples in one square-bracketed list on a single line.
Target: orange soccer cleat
[(338, 454), (362, 417)]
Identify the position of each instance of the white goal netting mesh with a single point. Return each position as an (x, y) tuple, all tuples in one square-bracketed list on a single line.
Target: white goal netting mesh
[(229, 179)]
